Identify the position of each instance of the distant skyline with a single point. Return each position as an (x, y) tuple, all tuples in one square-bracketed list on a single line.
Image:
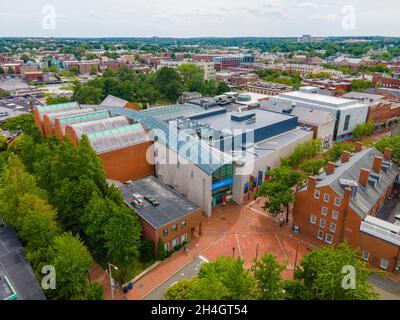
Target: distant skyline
[(198, 18)]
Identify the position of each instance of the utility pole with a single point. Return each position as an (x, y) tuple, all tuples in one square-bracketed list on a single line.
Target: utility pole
[(257, 251), (111, 279), (295, 261)]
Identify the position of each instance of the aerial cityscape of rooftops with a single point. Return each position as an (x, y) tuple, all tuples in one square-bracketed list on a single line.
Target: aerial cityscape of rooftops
[(200, 168)]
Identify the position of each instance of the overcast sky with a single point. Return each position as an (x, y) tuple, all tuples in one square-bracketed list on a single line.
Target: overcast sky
[(198, 18)]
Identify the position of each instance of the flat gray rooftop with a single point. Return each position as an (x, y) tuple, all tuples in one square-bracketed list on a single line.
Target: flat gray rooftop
[(173, 206), (264, 118), (271, 145), (18, 270), (15, 106)]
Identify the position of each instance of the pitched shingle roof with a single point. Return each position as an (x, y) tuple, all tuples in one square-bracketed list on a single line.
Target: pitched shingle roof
[(366, 197)]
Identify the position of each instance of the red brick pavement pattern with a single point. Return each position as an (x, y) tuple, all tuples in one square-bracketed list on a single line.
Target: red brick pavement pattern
[(231, 226)]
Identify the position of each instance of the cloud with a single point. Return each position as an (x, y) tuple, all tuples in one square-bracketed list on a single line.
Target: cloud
[(307, 4), (324, 17), (274, 8)]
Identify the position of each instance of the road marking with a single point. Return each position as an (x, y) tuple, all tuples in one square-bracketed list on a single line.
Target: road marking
[(262, 213), (205, 260), (280, 244), (237, 240)]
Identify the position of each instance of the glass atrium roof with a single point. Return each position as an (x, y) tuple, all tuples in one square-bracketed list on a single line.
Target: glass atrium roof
[(117, 138), (172, 112), (57, 108)]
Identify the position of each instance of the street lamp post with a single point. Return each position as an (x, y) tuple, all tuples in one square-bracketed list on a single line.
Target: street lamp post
[(111, 279), (295, 261)]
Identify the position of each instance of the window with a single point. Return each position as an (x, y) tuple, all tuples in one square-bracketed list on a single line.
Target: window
[(384, 263), (327, 197), (320, 235), (174, 227), (324, 211), (183, 223), (346, 123), (313, 219), (337, 201), (175, 242), (317, 194), (184, 238), (165, 232), (166, 247), (365, 255), (329, 238), (332, 228), (322, 223), (335, 215)]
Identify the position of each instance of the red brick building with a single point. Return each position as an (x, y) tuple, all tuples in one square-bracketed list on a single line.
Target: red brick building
[(124, 148), (385, 81), (382, 111), (30, 76), (164, 213), (346, 203)]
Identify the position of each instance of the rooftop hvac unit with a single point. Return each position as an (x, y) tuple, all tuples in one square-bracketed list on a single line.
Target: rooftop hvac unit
[(251, 120)]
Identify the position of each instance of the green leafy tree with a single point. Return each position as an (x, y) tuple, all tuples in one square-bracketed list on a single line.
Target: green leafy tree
[(122, 235), (360, 85), (93, 292), (3, 143), (87, 94), (147, 251), (180, 291), (24, 123), (336, 151), (302, 152), (364, 130), (53, 100), (312, 167), (392, 143), (15, 184), (224, 279), (169, 83), (193, 77), (323, 275), (71, 261), (4, 93), (161, 252), (267, 273), (278, 190), (296, 290)]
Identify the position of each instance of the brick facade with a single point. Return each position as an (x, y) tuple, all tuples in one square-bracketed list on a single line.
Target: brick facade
[(325, 215)]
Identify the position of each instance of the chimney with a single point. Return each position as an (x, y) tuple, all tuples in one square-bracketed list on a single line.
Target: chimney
[(388, 154), (364, 176), (345, 156), (347, 196), (312, 183), (358, 146), (378, 164), (330, 168)]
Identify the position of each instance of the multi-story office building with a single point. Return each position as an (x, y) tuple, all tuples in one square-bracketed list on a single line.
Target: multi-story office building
[(268, 88), (226, 60), (348, 113)]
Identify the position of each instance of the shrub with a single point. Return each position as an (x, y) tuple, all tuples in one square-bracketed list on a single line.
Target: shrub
[(147, 251)]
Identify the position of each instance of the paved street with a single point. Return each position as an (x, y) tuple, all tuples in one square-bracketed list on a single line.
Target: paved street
[(188, 272), (386, 288)]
